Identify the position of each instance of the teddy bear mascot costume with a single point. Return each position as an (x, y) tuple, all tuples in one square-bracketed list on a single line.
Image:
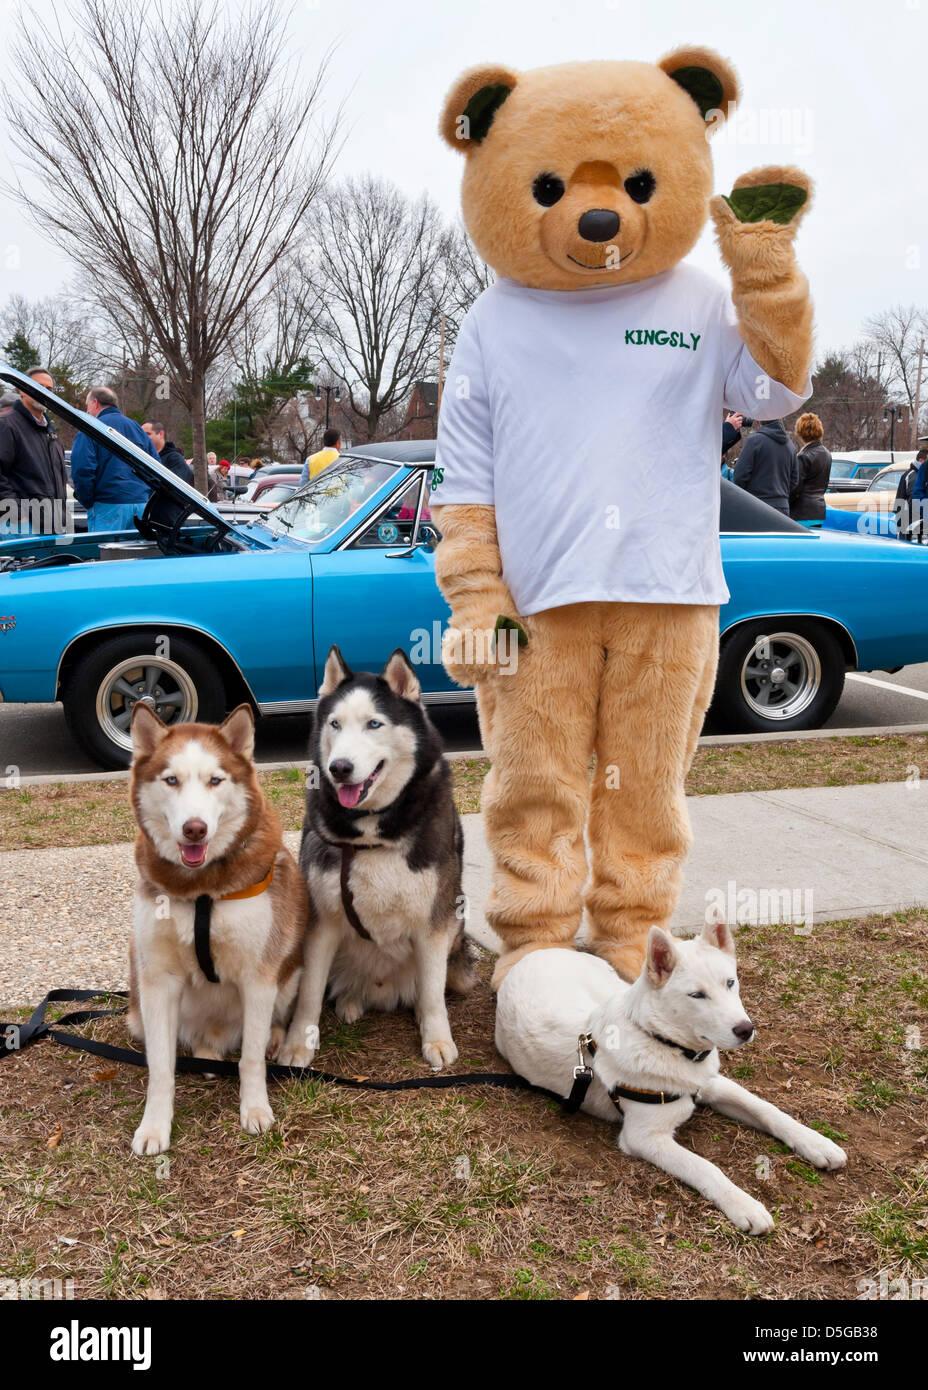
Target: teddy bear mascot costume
[(577, 475)]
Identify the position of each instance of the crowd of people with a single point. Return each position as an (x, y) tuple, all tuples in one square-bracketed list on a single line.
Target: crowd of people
[(34, 472), (794, 479)]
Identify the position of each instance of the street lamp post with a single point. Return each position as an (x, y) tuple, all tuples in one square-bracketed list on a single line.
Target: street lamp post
[(892, 413), (331, 393)]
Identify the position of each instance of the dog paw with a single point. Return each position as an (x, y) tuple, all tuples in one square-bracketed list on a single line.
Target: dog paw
[(818, 1150), (295, 1055), (439, 1052), (151, 1138), (349, 1010), (748, 1215), (256, 1118)]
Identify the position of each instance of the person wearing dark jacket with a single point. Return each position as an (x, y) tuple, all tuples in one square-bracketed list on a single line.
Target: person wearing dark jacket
[(807, 502), (903, 503), (919, 524), (102, 483), (767, 465), (168, 452), (33, 480)]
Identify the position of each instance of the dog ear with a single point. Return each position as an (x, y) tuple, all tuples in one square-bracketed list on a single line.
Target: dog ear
[(472, 103), (146, 728), (716, 932), (336, 671), (238, 730), (707, 78), (661, 957), (400, 676)]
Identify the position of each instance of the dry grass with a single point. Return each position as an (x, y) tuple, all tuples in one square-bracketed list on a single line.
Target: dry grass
[(74, 813), (490, 1194)]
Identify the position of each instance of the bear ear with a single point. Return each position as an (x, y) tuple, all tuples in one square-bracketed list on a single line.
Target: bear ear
[(709, 80), (472, 103)]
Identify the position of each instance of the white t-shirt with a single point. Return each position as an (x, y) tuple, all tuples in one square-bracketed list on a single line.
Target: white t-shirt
[(592, 421)]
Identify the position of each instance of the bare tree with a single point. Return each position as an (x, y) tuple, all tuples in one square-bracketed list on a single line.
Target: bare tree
[(895, 335), (177, 153), (465, 276), (377, 260), (58, 329)]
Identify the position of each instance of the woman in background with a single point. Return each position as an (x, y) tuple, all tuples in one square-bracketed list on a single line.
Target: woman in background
[(807, 503)]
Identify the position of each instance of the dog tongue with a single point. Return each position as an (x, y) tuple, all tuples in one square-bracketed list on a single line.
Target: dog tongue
[(349, 793), (193, 855)]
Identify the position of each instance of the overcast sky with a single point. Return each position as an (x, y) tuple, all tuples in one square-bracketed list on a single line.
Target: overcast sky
[(843, 80)]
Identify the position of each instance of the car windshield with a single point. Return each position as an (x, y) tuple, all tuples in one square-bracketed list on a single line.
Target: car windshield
[(887, 482), (842, 468), (272, 495), (335, 494)]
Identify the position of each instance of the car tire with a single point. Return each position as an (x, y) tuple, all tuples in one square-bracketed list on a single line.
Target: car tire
[(777, 675), (174, 673)]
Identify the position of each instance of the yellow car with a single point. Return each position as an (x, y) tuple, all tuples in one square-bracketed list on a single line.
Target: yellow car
[(878, 496)]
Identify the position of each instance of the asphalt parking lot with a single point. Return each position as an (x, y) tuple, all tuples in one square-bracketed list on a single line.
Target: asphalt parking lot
[(34, 739)]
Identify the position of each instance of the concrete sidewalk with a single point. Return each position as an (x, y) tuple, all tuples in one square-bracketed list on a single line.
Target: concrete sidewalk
[(835, 851), (65, 914)]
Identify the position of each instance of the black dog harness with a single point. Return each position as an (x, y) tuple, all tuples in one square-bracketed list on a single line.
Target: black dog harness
[(202, 916), (583, 1077)]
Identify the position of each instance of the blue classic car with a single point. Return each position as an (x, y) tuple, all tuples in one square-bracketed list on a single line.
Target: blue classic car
[(193, 612)]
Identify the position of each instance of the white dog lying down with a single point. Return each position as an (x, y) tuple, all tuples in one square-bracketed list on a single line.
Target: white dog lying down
[(658, 1038)]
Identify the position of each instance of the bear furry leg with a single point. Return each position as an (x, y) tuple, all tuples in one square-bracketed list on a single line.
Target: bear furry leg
[(538, 723), (657, 684), (631, 682)]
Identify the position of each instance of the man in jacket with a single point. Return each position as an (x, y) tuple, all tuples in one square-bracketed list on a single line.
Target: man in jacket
[(102, 483), (33, 480), (808, 501), (331, 444), (918, 529), (168, 452), (903, 503), (767, 465)]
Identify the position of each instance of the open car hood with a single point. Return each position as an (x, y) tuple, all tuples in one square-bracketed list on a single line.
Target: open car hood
[(152, 473)]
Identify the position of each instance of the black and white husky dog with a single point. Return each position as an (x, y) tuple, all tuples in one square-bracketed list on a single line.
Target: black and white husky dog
[(382, 855)]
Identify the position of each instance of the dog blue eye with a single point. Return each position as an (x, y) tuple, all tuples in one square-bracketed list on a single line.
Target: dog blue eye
[(171, 781), (374, 724), (731, 984), (214, 781), (333, 723), (698, 994)]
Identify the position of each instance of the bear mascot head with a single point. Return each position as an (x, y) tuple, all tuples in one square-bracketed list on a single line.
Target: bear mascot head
[(588, 173)]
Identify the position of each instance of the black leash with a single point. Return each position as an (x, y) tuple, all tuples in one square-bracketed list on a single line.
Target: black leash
[(15, 1037)]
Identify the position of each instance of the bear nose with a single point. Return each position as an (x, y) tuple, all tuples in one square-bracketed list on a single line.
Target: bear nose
[(744, 1031), (341, 769), (194, 830), (599, 224)]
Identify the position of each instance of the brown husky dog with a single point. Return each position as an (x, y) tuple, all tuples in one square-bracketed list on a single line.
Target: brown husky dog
[(221, 910)]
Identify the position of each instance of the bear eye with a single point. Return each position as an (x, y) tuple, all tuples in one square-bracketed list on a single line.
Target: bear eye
[(640, 186), (547, 190)]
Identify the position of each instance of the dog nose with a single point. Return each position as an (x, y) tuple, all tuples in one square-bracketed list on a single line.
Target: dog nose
[(599, 224), (341, 769), (744, 1030), (195, 830)]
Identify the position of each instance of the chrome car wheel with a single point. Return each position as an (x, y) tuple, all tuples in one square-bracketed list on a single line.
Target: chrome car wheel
[(152, 680), (781, 676)]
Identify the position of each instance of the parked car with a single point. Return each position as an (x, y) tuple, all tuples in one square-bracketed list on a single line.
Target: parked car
[(854, 472), (199, 611), (263, 492), (878, 496)]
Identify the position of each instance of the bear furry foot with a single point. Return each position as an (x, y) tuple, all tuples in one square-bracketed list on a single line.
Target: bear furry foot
[(508, 959), (625, 957)]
